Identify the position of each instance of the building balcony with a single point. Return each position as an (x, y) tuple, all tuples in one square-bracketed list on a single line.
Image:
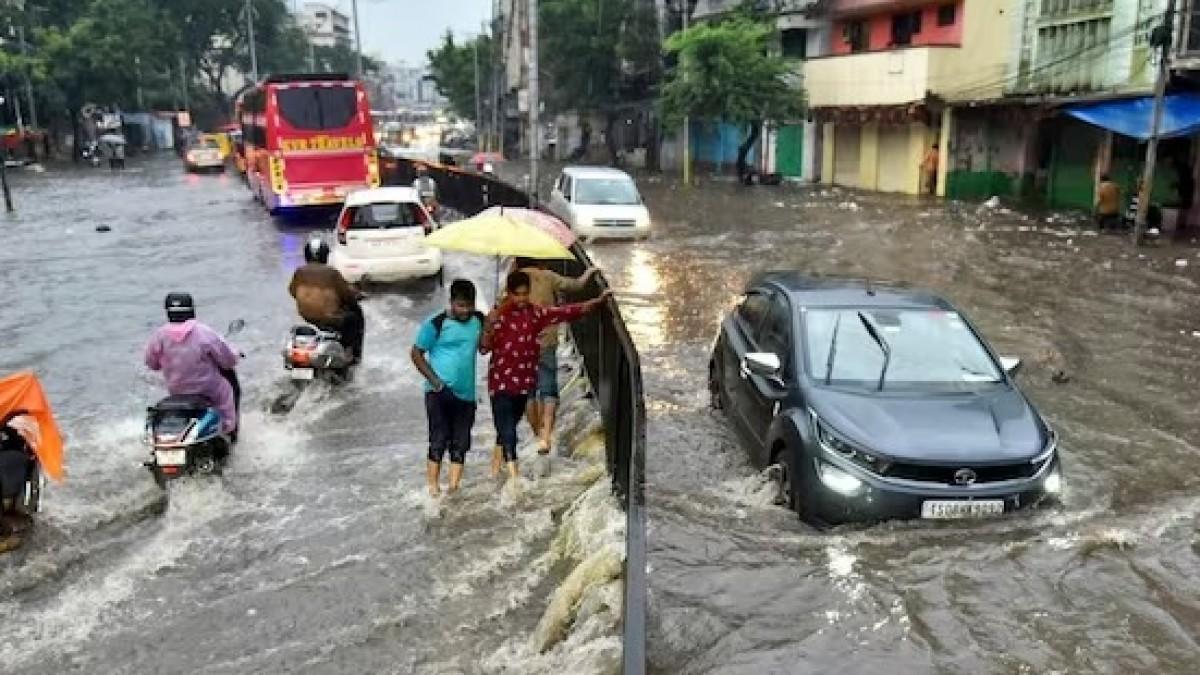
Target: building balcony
[(889, 77)]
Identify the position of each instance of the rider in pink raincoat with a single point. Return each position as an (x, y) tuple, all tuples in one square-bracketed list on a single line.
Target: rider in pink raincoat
[(194, 359)]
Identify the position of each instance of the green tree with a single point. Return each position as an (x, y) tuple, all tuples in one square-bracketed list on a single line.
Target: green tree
[(453, 68), (728, 71)]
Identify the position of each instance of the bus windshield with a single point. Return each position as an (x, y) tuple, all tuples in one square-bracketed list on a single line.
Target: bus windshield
[(317, 108)]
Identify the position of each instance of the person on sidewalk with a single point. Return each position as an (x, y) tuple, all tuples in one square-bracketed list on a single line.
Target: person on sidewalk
[(929, 169), (545, 288), (1108, 203), (444, 353), (512, 335)]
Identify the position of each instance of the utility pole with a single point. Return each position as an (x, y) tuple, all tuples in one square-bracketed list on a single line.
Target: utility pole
[(137, 64), (358, 68), (183, 80), (478, 99), (687, 120), (250, 35), (535, 127), (8, 203), (28, 78), (1160, 38)]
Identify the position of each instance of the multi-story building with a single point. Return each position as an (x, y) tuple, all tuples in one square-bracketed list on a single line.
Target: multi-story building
[(885, 90), (325, 25)]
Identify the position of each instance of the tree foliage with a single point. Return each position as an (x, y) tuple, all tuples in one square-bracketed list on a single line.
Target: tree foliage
[(452, 66), (727, 71), (106, 51)]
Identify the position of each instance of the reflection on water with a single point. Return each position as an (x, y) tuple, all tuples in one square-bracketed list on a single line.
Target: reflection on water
[(639, 302)]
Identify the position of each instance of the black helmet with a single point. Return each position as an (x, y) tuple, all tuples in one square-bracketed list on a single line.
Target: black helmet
[(316, 250), (180, 307)]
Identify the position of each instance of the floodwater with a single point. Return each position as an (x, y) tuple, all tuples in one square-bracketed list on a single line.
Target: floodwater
[(1107, 583), (317, 551)]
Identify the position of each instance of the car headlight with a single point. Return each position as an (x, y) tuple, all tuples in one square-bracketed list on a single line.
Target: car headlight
[(1053, 483), (837, 480), (835, 445)]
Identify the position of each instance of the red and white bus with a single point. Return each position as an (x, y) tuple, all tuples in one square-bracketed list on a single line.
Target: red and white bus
[(308, 140)]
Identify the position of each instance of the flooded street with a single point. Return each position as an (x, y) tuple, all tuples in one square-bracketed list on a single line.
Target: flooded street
[(1107, 583), (317, 551)]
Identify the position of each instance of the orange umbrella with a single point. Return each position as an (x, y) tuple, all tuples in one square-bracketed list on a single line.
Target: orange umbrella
[(23, 392)]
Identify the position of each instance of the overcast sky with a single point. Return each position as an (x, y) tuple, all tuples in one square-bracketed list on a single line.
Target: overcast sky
[(406, 29)]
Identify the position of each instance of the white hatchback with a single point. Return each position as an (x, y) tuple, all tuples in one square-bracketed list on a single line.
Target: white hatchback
[(600, 203), (381, 235)]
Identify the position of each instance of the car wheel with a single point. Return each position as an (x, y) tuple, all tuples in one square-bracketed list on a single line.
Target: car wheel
[(716, 397), (784, 478)]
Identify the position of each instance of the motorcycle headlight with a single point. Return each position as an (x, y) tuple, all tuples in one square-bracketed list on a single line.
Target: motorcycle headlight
[(834, 444)]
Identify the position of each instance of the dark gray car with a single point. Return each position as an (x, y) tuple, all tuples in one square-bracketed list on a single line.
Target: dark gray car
[(877, 402)]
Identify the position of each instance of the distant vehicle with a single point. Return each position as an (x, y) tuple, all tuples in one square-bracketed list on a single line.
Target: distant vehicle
[(204, 154), (600, 203), (308, 140), (381, 235), (877, 402)]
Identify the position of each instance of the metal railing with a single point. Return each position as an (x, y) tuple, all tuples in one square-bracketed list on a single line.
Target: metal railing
[(615, 371)]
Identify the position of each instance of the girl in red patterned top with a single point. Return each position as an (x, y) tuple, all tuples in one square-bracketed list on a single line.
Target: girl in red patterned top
[(511, 335)]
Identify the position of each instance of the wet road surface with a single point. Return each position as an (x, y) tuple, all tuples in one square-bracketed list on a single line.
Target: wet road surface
[(1107, 583), (317, 551)]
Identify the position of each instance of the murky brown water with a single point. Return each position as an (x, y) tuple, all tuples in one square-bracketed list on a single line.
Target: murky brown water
[(1108, 583)]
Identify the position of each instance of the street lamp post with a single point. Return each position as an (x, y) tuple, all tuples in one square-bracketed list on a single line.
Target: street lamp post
[(250, 35), (535, 128), (358, 66), (28, 78)]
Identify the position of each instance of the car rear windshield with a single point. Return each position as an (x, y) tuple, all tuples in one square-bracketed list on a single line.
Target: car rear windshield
[(317, 108), (929, 349), (620, 191), (386, 215)]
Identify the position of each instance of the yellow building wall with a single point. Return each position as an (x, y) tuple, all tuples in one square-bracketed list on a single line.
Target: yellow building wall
[(827, 156), (978, 69), (868, 157)]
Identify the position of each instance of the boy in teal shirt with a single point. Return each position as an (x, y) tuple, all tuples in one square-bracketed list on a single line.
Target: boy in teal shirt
[(444, 352)]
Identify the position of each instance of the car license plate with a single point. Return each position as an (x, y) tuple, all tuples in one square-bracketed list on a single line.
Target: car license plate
[(170, 457), (955, 509), (303, 373)]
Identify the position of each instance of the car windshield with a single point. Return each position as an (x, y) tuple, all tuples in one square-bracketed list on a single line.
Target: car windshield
[(386, 215), (930, 348), (606, 191), (210, 144)]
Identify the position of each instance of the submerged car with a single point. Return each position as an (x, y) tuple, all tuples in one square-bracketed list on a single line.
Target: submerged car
[(877, 402), (381, 235), (600, 203)]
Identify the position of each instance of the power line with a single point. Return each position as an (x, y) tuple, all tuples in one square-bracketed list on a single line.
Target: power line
[(1144, 24)]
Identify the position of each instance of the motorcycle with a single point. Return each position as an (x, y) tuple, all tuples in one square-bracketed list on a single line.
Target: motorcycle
[(314, 354), (90, 153), (184, 433)]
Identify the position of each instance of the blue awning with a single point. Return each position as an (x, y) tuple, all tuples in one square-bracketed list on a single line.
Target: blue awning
[(1131, 117)]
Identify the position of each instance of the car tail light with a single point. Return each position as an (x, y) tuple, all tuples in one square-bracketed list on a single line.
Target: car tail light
[(344, 225)]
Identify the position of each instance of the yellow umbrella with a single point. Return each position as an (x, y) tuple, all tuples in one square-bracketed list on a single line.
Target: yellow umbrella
[(497, 234)]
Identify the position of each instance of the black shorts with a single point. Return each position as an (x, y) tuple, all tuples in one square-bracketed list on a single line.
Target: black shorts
[(450, 422)]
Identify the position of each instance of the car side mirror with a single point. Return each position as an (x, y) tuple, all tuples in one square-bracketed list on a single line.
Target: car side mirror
[(1011, 365), (763, 364)]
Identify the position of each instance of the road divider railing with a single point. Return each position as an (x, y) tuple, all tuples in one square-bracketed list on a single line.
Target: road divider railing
[(613, 367)]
